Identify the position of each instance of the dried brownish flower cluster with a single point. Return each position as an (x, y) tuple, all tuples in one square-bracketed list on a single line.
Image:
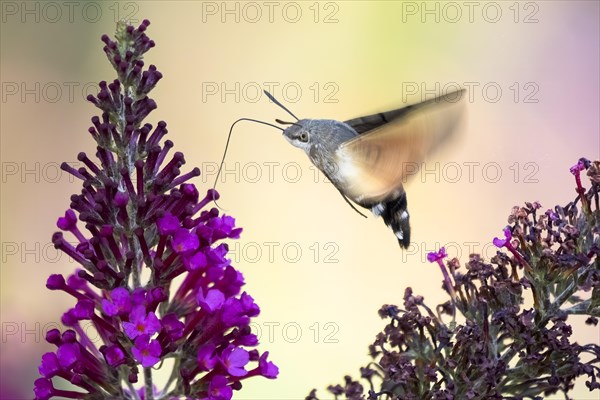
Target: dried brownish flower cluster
[(483, 343)]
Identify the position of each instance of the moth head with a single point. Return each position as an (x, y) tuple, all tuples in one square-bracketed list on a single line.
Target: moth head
[(298, 134)]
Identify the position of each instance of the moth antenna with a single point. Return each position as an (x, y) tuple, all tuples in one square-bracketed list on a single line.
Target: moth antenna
[(227, 147), (287, 123), (274, 100)]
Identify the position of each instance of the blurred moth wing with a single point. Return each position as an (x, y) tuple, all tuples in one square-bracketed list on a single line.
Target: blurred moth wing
[(392, 145)]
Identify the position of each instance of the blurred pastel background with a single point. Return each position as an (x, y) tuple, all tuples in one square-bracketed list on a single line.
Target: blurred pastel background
[(319, 271)]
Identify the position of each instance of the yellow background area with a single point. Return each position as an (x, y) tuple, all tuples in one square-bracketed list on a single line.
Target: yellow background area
[(318, 270)]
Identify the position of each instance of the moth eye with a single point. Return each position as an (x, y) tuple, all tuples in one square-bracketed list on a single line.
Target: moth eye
[(303, 137)]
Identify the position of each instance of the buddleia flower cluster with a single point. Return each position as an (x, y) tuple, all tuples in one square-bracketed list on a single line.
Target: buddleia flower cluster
[(505, 331), (137, 225)]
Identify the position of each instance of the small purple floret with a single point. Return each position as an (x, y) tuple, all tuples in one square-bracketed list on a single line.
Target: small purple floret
[(147, 352)]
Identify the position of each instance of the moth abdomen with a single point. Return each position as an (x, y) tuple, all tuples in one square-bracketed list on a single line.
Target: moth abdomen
[(395, 215)]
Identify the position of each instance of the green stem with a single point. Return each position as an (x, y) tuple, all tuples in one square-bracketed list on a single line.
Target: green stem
[(583, 308), (149, 394), (561, 298), (132, 390)]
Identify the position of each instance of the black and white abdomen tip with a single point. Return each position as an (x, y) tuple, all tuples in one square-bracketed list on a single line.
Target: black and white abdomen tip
[(395, 216)]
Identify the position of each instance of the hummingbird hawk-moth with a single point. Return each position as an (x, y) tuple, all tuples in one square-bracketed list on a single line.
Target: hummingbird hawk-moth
[(369, 158)]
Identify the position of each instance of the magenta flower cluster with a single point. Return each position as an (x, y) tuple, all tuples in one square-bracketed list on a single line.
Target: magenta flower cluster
[(145, 226)]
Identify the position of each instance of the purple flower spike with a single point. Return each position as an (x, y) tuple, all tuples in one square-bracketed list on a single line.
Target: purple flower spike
[(152, 283)]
